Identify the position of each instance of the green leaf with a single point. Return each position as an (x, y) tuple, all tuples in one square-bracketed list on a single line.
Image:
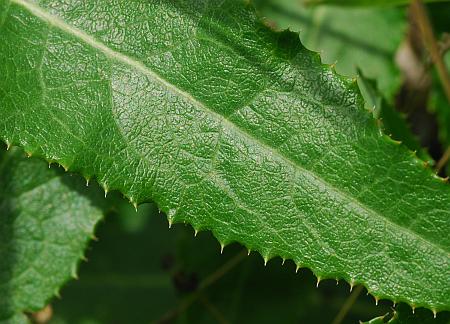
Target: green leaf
[(15, 319), (438, 103), (393, 122), (167, 267), (402, 315), (349, 38), (366, 2), (45, 222), (123, 282), (227, 126)]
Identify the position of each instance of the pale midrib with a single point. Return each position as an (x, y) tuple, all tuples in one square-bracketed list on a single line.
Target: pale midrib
[(91, 41)]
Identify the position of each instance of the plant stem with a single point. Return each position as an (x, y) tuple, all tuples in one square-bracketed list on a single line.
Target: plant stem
[(347, 305), (213, 310), (431, 45), (443, 160), (212, 278)]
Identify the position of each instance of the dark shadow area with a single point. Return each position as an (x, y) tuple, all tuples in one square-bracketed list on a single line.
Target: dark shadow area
[(7, 250), (139, 271)]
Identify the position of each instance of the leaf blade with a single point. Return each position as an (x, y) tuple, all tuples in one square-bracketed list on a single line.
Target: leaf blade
[(45, 225), (206, 146)]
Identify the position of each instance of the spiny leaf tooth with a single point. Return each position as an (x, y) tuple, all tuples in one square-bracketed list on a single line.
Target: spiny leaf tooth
[(283, 260), (87, 181), (376, 300), (352, 284), (74, 273), (249, 251), (134, 203), (297, 268), (64, 166), (8, 144), (379, 124), (318, 282), (434, 312), (29, 154), (222, 246), (171, 215)]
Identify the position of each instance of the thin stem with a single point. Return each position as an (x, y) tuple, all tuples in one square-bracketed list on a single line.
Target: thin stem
[(212, 278), (213, 310), (347, 305), (430, 43), (443, 160), (219, 273)]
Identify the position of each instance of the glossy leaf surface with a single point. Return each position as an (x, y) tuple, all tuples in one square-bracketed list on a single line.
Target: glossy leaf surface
[(349, 38), (228, 126)]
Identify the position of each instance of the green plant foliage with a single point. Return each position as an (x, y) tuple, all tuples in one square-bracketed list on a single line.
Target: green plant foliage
[(349, 38), (366, 2), (439, 104), (402, 315), (15, 319), (167, 269), (394, 123), (46, 219), (230, 127)]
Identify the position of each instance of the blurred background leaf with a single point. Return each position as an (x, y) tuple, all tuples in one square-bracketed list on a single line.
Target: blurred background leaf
[(350, 38), (366, 2), (144, 272), (140, 271)]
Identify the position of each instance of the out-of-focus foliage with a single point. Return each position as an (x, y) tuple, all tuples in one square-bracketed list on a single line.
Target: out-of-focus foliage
[(350, 38), (141, 271)]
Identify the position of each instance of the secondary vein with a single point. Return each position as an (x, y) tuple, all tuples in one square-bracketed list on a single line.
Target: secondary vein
[(139, 66)]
